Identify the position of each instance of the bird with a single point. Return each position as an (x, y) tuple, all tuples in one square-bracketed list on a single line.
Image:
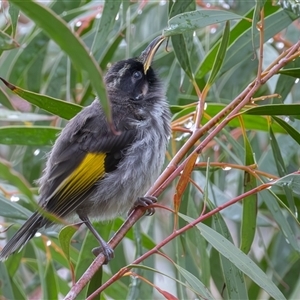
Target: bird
[(95, 172)]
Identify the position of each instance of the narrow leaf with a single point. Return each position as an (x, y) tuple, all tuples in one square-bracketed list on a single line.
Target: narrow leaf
[(281, 169), (69, 42), (232, 276), (292, 181), (291, 72), (220, 55), (190, 21), (248, 226), (57, 107), (195, 283), (182, 54), (65, 235), (14, 16), (238, 258), (277, 213), (28, 136), (6, 286), (289, 129), (15, 178), (51, 279), (275, 109), (240, 44), (106, 23)]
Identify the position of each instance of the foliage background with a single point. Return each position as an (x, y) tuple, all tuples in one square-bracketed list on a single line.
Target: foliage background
[(266, 227)]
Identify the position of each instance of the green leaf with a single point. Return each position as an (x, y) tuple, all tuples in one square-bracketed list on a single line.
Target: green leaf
[(28, 136), (51, 280), (69, 42), (277, 213), (36, 45), (182, 54), (240, 42), (220, 55), (15, 178), (289, 129), (106, 23), (178, 7), (291, 72), (6, 289), (291, 181), (195, 283), (238, 258), (275, 110), (251, 122), (282, 171), (57, 107), (95, 283), (13, 210), (7, 42), (65, 235), (232, 276), (190, 21), (14, 16), (248, 226), (4, 100), (182, 43), (259, 5)]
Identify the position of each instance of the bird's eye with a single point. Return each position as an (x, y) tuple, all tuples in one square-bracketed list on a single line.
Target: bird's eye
[(137, 75)]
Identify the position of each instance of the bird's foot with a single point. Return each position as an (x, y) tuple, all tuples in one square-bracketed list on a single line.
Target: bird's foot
[(107, 251), (145, 202)]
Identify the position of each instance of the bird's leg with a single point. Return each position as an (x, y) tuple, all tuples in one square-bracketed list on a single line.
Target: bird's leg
[(144, 202), (107, 251)]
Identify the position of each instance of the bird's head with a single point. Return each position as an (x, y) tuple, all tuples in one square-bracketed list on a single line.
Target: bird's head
[(133, 79)]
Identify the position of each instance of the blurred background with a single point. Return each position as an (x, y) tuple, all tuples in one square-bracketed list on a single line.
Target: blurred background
[(33, 60)]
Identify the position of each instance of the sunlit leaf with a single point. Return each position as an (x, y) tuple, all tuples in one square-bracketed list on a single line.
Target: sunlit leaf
[(190, 21)]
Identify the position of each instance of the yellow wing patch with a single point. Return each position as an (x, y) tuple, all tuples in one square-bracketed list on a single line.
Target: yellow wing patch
[(84, 176)]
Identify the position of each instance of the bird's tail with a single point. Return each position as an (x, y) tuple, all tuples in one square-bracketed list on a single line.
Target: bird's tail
[(22, 236)]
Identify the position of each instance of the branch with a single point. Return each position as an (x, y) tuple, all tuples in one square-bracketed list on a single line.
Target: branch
[(174, 168)]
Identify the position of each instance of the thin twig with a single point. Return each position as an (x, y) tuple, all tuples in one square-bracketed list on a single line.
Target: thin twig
[(173, 170)]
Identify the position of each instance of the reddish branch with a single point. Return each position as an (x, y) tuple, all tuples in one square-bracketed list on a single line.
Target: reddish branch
[(174, 168)]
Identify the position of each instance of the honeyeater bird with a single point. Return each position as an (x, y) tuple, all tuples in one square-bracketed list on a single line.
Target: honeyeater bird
[(95, 172)]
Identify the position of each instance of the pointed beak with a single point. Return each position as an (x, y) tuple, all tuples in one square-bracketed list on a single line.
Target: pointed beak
[(148, 54)]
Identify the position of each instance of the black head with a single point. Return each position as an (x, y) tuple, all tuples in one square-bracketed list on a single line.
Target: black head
[(126, 80)]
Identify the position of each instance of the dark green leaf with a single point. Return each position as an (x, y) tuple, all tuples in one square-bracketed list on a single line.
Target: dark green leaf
[(280, 165), (248, 226), (24, 135), (57, 107), (275, 110), (291, 72), (219, 59), (289, 129)]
